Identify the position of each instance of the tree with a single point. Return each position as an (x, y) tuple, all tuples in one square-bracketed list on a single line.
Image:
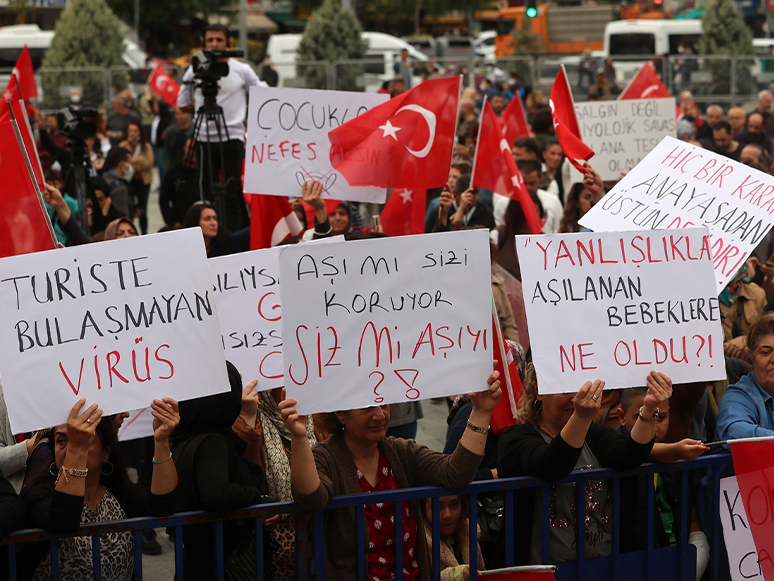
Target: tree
[(725, 33), (332, 35), (87, 34)]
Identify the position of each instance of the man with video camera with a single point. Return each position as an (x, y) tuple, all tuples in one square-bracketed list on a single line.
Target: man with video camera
[(232, 90)]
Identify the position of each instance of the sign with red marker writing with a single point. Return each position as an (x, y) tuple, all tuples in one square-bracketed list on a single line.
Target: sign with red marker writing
[(119, 323), (386, 320), (616, 305), (287, 141), (679, 185), (250, 314), (740, 546)]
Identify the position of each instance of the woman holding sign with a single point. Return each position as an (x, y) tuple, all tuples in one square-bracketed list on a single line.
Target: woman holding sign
[(556, 437), (88, 484), (359, 458)]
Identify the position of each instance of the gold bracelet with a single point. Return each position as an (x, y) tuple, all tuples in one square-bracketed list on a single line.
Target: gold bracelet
[(162, 461), (477, 429), (78, 473)]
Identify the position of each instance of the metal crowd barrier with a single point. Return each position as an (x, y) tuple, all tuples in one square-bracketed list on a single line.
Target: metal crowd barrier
[(676, 562)]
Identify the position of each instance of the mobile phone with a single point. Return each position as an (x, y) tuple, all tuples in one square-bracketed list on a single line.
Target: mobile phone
[(377, 221)]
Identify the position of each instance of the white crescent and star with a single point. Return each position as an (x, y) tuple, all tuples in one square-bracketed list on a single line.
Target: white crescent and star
[(648, 91), (390, 130), (406, 195)]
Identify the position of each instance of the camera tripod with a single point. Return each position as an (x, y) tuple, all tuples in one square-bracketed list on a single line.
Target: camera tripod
[(78, 181), (209, 144)]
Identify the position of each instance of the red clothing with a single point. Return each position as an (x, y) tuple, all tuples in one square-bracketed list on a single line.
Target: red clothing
[(380, 518)]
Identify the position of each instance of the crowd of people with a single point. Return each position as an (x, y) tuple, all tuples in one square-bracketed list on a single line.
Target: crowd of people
[(243, 447)]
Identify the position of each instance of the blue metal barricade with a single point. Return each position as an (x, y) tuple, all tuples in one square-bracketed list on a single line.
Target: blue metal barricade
[(676, 562)]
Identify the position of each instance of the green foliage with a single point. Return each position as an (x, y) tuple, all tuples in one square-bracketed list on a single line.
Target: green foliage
[(725, 33), (333, 34), (88, 34)]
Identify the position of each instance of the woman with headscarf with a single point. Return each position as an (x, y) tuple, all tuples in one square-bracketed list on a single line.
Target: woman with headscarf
[(268, 444), (120, 228), (214, 477)]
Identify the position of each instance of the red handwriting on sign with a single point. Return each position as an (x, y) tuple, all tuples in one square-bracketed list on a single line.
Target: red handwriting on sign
[(111, 369), (331, 344), (687, 159), (283, 150), (726, 256), (263, 311), (684, 349), (407, 377), (581, 356), (265, 357)]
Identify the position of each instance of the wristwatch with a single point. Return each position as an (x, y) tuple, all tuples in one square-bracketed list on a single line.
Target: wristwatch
[(649, 420)]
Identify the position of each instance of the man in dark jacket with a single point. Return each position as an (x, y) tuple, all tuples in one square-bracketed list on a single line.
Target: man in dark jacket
[(179, 189)]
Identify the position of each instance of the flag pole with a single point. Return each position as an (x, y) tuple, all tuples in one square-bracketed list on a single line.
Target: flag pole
[(504, 360), (31, 173)]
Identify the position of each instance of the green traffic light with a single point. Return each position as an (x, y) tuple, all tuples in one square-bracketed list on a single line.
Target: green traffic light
[(532, 12)]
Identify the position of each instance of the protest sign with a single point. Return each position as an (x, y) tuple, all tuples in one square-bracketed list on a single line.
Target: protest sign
[(622, 133), (119, 323), (287, 141), (679, 185), (247, 294), (608, 305), (742, 557), (386, 320)]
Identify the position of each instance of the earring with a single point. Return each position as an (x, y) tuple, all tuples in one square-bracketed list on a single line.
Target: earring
[(53, 472), (102, 469), (537, 405)]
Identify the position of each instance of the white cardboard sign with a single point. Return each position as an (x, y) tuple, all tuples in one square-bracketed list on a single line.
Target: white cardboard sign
[(622, 133), (679, 185), (599, 306), (742, 556), (386, 320), (287, 141), (246, 290), (119, 323)]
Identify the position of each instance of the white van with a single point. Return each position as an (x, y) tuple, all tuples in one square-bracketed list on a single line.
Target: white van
[(383, 51), (630, 38)]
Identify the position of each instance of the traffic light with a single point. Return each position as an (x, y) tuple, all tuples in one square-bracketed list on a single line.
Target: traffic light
[(531, 8)]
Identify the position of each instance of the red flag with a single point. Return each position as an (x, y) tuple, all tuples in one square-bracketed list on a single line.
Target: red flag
[(272, 221), (566, 123), (26, 76), (494, 168), (514, 121), (163, 85), (406, 142), (405, 212), (754, 466), (24, 224), (504, 414), (645, 85)]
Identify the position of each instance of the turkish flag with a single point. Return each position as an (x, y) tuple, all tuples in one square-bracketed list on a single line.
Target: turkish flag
[(566, 123), (26, 77), (504, 414), (404, 212), (514, 121), (164, 85), (645, 85), (24, 223), (494, 168), (754, 466), (272, 221), (406, 142)]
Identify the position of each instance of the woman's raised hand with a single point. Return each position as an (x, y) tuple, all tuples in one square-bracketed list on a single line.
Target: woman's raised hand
[(659, 391), (588, 400), (294, 422), (166, 417), (81, 427), (486, 400)]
